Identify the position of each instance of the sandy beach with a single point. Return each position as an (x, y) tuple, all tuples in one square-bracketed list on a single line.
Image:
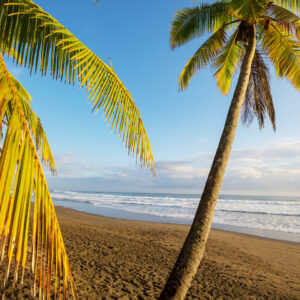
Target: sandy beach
[(120, 259)]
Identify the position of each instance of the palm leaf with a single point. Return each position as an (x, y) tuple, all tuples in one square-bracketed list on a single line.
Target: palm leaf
[(190, 23), (33, 122), (227, 62), (293, 5), (41, 42), (21, 176), (248, 9), (285, 18), (283, 51), (10, 52), (203, 56), (258, 99)]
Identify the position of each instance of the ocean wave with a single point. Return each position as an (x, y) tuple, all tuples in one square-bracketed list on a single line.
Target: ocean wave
[(239, 205), (72, 200), (273, 213), (259, 213)]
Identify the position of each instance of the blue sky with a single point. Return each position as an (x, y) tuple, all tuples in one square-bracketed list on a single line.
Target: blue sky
[(183, 128)]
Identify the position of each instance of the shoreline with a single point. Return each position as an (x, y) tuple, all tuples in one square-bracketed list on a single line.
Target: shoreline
[(142, 217), (216, 227), (120, 259)]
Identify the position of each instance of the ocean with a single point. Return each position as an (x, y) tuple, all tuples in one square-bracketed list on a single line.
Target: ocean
[(266, 216)]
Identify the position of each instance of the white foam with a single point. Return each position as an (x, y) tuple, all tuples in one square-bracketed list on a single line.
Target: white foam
[(281, 214)]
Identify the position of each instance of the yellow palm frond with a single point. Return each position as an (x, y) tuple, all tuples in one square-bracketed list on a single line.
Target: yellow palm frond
[(202, 57), (287, 20), (284, 53), (21, 179), (41, 42), (248, 9), (227, 62), (33, 121), (10, 52), (292, 5)]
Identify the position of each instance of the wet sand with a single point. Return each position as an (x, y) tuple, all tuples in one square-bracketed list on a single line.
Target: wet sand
[(120, 259)]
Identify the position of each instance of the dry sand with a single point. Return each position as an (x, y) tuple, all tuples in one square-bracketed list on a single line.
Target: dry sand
[(119, 259)]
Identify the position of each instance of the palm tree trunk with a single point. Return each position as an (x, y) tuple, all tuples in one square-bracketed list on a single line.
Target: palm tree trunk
[(192, 251)]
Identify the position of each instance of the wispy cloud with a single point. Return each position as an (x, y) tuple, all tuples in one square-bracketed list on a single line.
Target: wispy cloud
[(180, 169), (73, 165), (264, 170)]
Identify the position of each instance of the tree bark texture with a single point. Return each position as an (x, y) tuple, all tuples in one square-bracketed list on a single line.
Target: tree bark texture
[(192, 251)]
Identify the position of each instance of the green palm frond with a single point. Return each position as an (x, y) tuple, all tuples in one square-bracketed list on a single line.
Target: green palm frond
[(292, 5), (42, 43), (21, 176), (286, 19), (203, 56), (10, 52), (190, 23), (248, 9), (227, 62), (258, 99), (33, 121), (284, 53)]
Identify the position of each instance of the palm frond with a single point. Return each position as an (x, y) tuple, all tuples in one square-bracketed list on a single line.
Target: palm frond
[(21, 177), (284, 52), (227, 62), (189, 23), (258, 99), (248, 9), (202, 57), (10, 52), (292, 5), (41, 42), (33, 122), (287, 20)]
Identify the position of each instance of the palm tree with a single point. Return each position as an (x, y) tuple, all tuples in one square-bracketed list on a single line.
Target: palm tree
[(244, 32), (34, 39)]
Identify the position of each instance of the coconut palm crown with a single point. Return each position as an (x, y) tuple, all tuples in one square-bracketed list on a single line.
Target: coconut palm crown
[(244, 33), (36, 40), (278, 33)]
